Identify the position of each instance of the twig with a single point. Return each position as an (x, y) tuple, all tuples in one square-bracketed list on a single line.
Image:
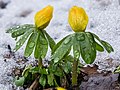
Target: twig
[(34, 84)]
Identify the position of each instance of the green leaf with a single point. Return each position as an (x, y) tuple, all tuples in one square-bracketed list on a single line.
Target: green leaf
[(59, 43), (30, 44), (42, 80), (87, 47), (99, 47), (41, 46), (22, 40), (44, 71), (52, 68), (117, 70), (18, 33), (20, 81), (106, 45), (67, 67), (50, 78), (76, 47), (26, 71), (21, 27), (34, 70), (20, 30), (69, 58), (62, 49), (50, 40), (59, 72)]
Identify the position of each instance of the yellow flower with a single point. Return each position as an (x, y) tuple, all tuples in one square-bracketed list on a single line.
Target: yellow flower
[(60, 88), (43, 17), (78, 19)]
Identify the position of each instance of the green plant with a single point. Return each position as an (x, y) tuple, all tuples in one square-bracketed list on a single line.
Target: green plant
[(38, 41), (83, 43)]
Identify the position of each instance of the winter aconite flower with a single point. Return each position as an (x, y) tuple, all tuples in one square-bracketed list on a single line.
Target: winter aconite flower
[(43, 17), (60, 88), (77, 19)]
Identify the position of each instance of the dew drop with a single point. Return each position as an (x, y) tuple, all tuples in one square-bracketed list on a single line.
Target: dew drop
[(89, 35), (91, 40), (42, 56), (86, 49), (24, 27), (93, 48), (87, 56), (42, 40), (31, 44), (25, 37), (106, 44), (77, 54), (56, 60), (91, 44), (67, 40), (14, 50), (18, 26), (26, 54), (17, 33), (80, 37), (18, 44)]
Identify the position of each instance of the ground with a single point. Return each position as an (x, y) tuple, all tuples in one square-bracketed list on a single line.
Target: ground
[(104, 20)]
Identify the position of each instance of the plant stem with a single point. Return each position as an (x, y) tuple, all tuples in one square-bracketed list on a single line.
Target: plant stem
[(74, 72), (40, 63)]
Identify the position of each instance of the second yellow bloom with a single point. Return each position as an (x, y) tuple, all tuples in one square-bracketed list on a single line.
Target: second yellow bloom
[(78, 19)]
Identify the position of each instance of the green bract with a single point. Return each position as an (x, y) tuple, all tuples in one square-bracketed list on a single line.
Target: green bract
[(36, 39), (85, 44)]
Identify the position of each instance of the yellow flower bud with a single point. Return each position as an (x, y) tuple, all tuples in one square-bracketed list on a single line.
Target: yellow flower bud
[(60, 88), (78, 19), (43, 17)]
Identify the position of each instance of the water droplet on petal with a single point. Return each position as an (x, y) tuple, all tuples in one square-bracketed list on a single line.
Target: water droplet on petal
[(67, 40), (31, 44), (56, 60), (80, 37)]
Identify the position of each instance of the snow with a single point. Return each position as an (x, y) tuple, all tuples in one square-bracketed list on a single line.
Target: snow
[(104, 20)]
